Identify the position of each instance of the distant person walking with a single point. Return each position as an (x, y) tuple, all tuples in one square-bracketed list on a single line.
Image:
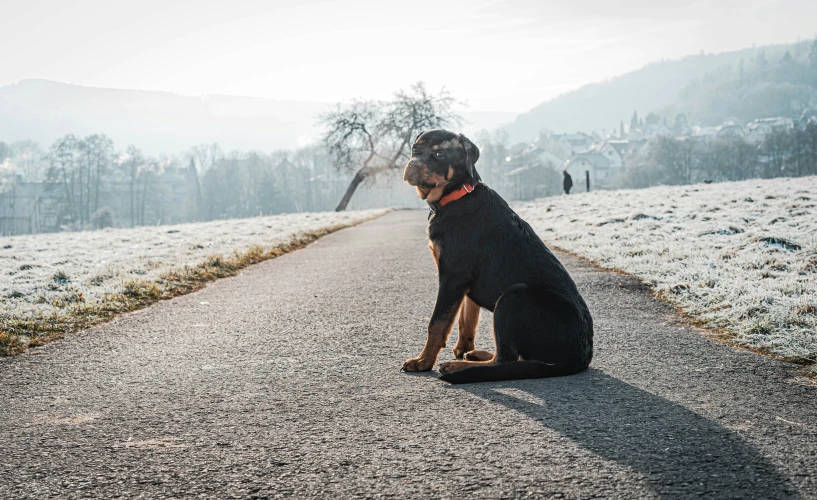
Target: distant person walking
[(568, 182)]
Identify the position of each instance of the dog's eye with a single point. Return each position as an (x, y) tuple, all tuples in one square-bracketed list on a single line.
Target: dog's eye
[(439, 154)]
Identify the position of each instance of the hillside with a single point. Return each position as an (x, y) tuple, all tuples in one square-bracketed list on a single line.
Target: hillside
[(163, 122), (692, 85), (158, 122)]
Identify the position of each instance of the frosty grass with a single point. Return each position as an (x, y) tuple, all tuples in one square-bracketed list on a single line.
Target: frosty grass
[(741, 256), (39, 274)]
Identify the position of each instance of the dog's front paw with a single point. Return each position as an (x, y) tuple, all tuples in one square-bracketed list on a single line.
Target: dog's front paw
[(417, 365)]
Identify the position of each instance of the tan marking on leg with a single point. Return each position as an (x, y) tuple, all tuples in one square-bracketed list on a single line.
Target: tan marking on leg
[(467, 327), (435, 252), (437, 337)]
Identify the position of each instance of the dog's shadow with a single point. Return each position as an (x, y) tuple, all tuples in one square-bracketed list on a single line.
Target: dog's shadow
[(679, 453)]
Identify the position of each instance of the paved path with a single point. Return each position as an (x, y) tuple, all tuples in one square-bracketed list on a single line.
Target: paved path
[(285, 381)]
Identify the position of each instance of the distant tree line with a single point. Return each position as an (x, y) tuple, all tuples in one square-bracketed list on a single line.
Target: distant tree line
[(86, 183), (783, 153), (83, 183), (246, 184)]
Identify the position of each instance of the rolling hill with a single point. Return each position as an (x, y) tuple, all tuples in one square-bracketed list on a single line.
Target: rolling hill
[(157, 122), (689, 85), (163, 122)]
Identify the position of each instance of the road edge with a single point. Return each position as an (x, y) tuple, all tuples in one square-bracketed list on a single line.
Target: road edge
[(18, 334)]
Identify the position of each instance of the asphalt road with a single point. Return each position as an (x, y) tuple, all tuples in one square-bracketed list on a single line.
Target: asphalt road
[(285, 381)]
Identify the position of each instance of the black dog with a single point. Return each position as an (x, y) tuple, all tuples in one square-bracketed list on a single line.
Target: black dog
[(488, 257)]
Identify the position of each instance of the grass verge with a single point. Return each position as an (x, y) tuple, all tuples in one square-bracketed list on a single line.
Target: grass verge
[(18, 334), (717, 333)]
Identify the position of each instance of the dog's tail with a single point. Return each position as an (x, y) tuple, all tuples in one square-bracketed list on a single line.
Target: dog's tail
[(512, 370)]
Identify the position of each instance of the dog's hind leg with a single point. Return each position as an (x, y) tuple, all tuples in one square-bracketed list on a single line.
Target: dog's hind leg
[(537, 325), (466, 328), (512, 322), (479, 355), (536, 335), (455, 366)]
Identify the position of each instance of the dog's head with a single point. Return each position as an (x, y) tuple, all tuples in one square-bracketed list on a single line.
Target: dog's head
[(439, 159)]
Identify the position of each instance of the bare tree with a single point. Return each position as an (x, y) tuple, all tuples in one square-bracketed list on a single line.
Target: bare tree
[(7, 179), (96, 156), (130, 163), (28, 158), (776, 147), (63, 171), (146, 178), (372, 137), (728, 158), (810, 137), (202, 158), (205, 156), (678, 157)]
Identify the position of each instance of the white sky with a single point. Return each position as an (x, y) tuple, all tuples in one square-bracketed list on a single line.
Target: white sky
[(496, 55)]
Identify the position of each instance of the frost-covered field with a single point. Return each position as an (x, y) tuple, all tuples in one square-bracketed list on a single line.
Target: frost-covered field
[(44, 273), (741, 256)]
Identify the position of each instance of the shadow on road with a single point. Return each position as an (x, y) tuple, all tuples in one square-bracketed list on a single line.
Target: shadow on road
[(680, 453)]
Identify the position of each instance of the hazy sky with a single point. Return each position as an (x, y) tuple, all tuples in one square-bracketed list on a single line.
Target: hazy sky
[(496, 55)]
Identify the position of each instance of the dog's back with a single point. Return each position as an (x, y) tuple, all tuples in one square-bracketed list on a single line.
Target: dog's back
[(483, 236)]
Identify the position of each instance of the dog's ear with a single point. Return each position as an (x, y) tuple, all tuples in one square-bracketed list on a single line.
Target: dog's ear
[(471, 156)]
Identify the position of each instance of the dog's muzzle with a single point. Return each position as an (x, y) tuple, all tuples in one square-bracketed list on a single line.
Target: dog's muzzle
[(413, 171)]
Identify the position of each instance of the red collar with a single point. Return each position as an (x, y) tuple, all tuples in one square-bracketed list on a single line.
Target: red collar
[(456, 195)]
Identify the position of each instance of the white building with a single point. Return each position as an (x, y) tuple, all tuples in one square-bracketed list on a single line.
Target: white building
[(544, 157), (613, 150), (730, 129), (574, 143), (757, 130), (601, 172)]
